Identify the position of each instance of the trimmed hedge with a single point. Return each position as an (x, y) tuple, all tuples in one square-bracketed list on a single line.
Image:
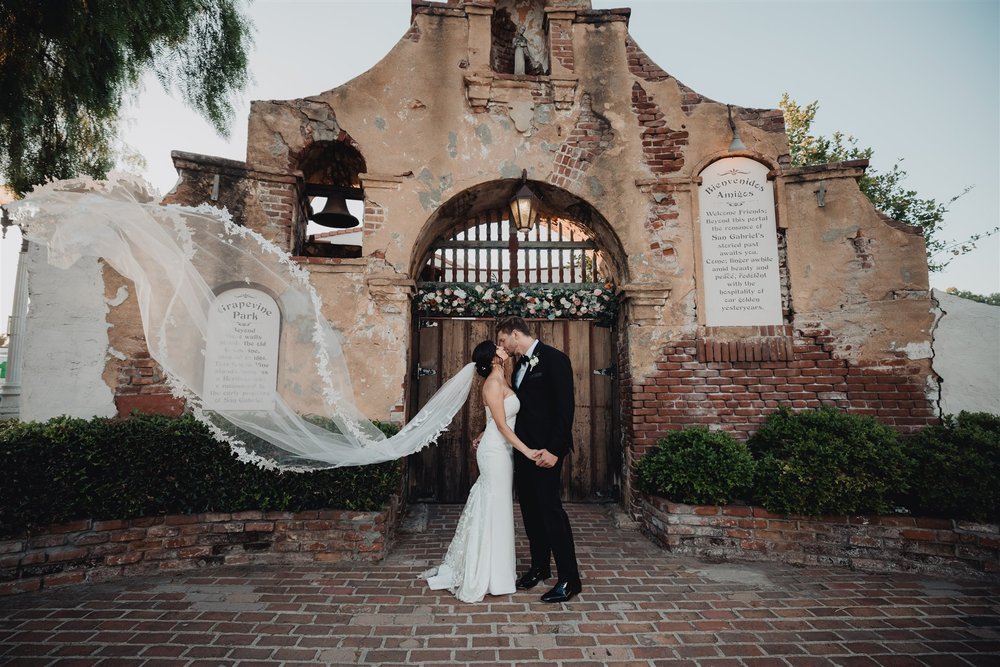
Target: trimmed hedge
[(826, 461), (697, 466), (957, 473), (144, 465)]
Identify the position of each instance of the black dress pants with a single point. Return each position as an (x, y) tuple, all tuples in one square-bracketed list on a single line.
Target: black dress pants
[(545, 521)]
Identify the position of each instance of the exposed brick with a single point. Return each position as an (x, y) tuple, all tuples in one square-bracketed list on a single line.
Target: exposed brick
[(591, 136), (860, 542), (122, 548)]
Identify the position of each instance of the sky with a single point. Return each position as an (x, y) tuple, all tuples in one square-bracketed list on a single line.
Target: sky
[(917, 81)]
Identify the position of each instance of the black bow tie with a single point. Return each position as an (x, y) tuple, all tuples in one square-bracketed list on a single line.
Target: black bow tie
[(522, 360)]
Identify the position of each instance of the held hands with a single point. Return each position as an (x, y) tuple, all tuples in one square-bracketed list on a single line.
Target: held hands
[(476, 440), (545, 458), (532, 454)]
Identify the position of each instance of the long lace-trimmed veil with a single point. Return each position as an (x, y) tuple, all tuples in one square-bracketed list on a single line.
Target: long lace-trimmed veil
[(178, 258)]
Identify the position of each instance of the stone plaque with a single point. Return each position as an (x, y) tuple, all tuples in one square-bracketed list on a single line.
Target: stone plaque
[(739, 244), (241, 355)]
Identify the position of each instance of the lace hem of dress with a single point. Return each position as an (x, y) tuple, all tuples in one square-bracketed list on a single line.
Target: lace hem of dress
[(454, 558)]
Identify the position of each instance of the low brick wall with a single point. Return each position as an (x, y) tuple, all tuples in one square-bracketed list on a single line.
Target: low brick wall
[(91, 551), (872, 543)]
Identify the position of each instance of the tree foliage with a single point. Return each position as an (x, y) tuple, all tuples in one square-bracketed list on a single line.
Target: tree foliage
[(66, 67), (884, 189), (991, 299)]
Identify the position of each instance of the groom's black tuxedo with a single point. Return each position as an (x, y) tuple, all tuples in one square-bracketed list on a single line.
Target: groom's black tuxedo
[(545, 421)]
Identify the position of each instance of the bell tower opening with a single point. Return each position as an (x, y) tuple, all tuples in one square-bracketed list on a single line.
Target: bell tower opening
[(332, 172)]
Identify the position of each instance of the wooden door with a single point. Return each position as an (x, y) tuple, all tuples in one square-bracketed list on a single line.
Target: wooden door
[(444, 472)]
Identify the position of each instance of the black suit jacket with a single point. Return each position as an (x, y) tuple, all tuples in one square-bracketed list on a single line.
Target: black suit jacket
[(545, 419)]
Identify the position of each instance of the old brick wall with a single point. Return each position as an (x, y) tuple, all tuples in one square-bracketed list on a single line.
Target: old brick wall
[(941, 547), (748, 379), (268, 201), (733, 385), (92, 551)]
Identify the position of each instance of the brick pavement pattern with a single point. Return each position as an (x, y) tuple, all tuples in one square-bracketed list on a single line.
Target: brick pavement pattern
[(640, 606)]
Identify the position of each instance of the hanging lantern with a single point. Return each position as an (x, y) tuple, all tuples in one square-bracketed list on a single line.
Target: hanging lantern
[(524, 206)]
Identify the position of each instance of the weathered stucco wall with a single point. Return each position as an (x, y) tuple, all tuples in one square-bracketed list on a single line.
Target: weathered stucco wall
[(64, 362), (858, 272), (437, 129), (435, 119), (625, 139)]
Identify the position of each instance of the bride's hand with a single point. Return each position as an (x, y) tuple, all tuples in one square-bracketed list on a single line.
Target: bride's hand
[(533, 454)]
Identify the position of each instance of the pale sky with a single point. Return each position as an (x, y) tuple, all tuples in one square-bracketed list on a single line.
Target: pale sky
[(913, 80)]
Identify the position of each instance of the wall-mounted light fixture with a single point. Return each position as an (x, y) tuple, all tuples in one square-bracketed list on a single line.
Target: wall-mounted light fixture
[(821, 194), (736, 144), (524, 206)]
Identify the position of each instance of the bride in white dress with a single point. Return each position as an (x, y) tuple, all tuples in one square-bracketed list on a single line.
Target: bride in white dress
[(480, 559)]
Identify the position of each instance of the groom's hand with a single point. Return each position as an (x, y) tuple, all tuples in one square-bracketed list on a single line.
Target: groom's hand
[(475, 442), (546, 459)]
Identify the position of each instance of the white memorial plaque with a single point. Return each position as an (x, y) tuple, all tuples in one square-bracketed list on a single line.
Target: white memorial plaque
[(739, 244), (241, 357)]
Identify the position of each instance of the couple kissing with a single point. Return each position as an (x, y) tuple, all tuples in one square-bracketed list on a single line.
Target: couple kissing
[(528, 434)]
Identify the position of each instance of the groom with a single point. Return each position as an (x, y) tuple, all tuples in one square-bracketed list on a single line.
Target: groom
[(543, 381)]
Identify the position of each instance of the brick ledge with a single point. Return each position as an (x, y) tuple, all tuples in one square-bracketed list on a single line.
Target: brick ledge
[(870, 543), (91, 550)]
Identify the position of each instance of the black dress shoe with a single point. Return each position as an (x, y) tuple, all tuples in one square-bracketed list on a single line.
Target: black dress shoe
[(531, 579), (563, 591)]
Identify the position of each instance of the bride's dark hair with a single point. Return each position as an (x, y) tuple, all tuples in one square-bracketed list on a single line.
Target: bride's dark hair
[(483, 355)]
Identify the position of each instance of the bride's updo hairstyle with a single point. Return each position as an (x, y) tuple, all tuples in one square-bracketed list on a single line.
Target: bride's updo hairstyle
[(483, 355)]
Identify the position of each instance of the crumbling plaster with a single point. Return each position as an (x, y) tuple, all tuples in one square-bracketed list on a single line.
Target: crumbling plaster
[(69, 341), (447, 149), (861, 275), (434, 124)]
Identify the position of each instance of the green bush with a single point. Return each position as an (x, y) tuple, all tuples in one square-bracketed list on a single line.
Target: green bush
[(957, 472), (826, 461), (67, 469), (697, 466)]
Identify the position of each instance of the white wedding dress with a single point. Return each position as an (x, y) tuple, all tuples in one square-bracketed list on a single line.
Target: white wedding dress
[(480, 558)]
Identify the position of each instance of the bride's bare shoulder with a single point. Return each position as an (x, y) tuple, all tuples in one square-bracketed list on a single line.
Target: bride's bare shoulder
[(496, 389), (492, 387)]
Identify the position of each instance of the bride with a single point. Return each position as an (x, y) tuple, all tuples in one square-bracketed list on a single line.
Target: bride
[(480, 558), (175, 256)]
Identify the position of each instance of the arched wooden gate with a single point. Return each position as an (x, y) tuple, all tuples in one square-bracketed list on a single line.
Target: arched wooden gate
[(551, 276)]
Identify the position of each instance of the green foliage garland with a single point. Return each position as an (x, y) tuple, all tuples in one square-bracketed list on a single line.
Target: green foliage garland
[(584, 302)]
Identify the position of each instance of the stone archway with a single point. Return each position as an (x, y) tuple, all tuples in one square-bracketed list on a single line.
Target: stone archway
[(471, 267)]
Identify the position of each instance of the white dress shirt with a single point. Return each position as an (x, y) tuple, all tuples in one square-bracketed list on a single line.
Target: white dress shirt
[(523, 369)]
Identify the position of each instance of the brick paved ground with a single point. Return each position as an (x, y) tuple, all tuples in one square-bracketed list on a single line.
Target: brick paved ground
[(640, 606)]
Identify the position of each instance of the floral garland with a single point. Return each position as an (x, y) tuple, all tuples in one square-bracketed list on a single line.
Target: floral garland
[(591, 301)]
